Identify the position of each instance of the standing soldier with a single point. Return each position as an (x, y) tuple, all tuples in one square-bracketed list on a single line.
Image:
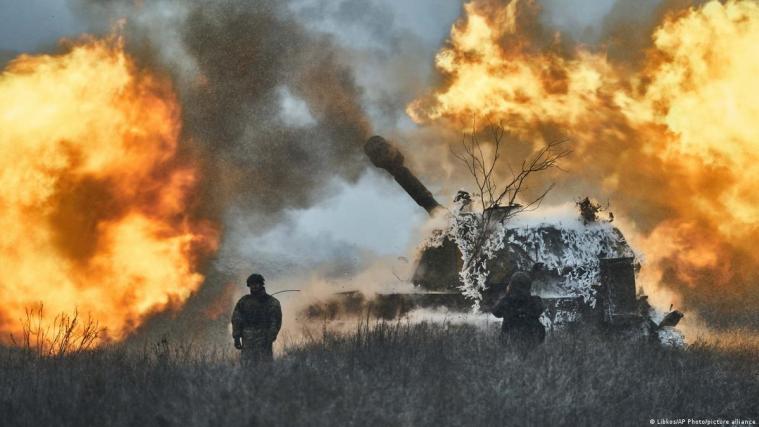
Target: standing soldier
[(255, 322), (520, 312)]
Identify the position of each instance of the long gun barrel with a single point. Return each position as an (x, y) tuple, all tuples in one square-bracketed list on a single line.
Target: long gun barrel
[(386, 156)]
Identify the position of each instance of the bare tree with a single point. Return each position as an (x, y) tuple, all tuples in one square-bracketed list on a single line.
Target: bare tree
[(500, 201)]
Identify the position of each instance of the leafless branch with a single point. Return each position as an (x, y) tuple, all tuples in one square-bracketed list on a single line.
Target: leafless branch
[(493, 195), (65, 334)]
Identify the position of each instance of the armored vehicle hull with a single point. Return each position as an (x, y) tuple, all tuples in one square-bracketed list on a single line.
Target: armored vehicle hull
[(584, 271)]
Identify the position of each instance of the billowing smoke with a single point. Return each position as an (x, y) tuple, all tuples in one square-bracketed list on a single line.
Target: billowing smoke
[(273, 112), (660, 125), (270, 104), (270, 117)]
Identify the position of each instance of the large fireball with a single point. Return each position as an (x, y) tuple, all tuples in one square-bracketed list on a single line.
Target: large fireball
[(95, 200), (672, 140)]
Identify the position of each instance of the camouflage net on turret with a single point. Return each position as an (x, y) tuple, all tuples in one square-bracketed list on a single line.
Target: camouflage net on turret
[(567, 246)]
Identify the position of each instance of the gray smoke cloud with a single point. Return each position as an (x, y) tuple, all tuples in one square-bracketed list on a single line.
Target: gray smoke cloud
[(270, 108), (269, 104), (278, 97)]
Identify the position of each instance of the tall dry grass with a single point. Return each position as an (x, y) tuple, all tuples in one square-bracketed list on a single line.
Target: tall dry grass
[(65, 335), (384, 374)]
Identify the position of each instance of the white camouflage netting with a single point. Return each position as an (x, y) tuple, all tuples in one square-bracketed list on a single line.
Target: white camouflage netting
[(562, 244)]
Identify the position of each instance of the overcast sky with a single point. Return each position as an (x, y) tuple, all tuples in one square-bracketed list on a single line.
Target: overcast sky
[(27, 25), (31, 24)]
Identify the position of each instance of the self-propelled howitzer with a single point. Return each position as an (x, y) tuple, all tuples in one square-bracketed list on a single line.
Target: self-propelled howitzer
[(585, 271)]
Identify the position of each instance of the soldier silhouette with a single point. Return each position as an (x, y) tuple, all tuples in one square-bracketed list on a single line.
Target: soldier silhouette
[(520, 312), (256, 321)]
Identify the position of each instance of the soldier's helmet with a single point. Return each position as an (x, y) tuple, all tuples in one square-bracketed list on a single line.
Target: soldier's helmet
[(255, 279), (519, 285)]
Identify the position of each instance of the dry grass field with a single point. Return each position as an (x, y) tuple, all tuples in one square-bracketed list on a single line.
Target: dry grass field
[(385, 374)]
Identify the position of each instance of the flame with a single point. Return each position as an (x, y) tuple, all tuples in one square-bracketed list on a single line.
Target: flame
[(486, 81), (674, 141), (95, 199)]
